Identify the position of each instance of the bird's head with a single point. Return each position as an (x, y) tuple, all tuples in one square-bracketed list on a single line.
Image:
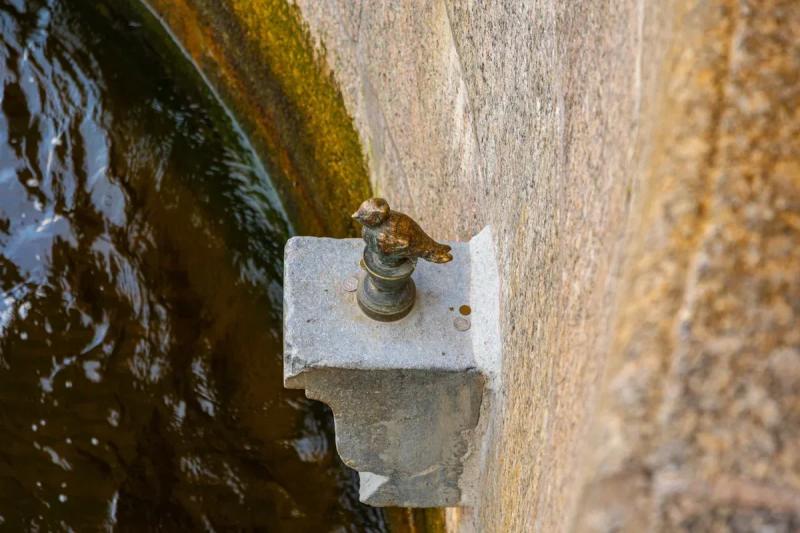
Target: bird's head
[(373, 212)]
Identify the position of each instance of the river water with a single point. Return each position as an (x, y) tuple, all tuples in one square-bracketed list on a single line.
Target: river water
[(140, 297)]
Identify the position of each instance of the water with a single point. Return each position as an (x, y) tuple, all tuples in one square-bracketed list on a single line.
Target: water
[(140, 296)]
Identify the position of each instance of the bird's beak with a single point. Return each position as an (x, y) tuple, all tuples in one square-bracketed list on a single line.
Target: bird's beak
[(356, 216)]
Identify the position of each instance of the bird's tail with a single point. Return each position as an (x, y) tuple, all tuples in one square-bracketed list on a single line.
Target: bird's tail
[(440, 253)]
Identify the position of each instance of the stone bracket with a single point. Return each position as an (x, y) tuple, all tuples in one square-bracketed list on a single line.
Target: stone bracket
[(411, 399)]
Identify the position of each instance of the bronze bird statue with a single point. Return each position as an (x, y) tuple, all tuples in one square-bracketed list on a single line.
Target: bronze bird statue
[(386, 291), (396, 236)]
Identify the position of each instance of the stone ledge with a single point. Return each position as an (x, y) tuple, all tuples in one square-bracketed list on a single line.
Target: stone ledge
[(410, 398)]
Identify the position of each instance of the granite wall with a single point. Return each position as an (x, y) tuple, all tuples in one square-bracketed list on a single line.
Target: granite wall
[(640, 164), (639, 161), (526, 116)]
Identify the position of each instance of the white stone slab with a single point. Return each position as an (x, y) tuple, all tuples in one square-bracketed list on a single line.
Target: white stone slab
[(325, 327), (407, 396)]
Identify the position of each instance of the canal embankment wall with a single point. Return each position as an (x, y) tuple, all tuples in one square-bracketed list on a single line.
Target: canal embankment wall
[(639, 163)]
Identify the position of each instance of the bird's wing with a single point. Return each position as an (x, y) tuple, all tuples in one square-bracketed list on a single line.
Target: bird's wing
[(392, 244)]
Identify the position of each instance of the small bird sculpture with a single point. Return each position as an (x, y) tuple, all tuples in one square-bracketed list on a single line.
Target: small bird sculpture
[(395, 236)]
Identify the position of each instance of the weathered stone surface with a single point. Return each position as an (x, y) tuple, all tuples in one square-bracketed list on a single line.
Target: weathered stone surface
[(523, 116), (407, 396), (639, 163), (325, 327), (694, 398)]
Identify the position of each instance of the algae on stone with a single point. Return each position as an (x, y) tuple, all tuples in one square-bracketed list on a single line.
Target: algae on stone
[(259, 57)]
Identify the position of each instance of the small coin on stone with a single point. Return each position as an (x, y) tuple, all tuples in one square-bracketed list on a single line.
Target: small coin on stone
[(350, 284), (461, 323)]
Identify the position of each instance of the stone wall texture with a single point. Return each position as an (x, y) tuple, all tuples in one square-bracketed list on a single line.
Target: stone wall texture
[(258, 56), (639, 162)]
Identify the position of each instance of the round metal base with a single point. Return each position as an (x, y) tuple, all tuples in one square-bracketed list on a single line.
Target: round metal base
[(384, 307)]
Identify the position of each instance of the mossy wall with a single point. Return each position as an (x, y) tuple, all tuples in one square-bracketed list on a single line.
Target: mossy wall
[(259, 57)]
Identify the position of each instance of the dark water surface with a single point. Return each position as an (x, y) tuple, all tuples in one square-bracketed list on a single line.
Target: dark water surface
[(140, 295)]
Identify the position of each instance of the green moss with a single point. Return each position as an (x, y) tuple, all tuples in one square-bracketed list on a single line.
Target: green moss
[(327, 129), (260, 57)]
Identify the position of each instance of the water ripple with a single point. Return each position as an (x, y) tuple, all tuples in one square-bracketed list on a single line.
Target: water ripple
[(140, 275)]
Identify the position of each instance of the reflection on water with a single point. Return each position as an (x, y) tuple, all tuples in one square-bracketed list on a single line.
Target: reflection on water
[(140, 263)]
